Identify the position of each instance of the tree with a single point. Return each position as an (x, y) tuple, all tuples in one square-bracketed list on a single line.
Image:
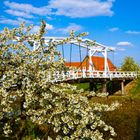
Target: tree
[(129, 64), (29, 95)]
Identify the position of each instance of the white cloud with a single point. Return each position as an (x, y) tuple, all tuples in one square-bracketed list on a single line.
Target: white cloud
[(36, 28), (71, 26), (125, 43), (70, 8), (19, 13), (133, 32), (28, 8), (114, 29), (82, 8), (17, 21), (49, 26), (120, 49)]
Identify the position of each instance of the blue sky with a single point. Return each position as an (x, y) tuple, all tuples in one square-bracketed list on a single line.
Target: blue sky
[(114, 23)]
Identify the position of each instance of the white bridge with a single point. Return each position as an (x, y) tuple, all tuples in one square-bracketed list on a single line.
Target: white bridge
[(90, 72), (87, 71)]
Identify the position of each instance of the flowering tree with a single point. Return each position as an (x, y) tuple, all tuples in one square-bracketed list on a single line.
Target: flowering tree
[(28, 94)]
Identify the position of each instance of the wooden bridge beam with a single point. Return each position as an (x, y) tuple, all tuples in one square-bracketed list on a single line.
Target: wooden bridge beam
[(122, 87)]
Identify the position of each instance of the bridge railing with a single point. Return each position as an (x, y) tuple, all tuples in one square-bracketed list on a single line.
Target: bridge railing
[(77, 74), (59, 76), (101, 74)]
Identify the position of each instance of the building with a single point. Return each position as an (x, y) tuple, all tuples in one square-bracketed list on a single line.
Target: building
[(97, 64)]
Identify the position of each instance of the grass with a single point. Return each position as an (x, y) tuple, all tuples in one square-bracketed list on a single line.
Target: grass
[(84, 86), (136, 89), (125, 119)]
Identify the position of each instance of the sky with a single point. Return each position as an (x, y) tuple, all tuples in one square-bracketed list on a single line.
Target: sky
[(114, 23)]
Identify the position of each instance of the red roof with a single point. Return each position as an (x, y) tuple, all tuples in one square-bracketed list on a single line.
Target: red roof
[(98, 63), (73, 64)]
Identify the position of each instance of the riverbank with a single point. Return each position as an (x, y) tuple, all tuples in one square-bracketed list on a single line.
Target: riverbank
[(125, 119)]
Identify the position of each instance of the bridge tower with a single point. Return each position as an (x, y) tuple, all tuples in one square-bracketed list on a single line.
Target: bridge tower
[(92, 49)]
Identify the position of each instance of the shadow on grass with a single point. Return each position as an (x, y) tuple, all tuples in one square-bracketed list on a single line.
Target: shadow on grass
[(137, 133)]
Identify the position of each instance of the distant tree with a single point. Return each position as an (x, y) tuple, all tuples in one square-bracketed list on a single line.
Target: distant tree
[(28, 94), (129, 64)]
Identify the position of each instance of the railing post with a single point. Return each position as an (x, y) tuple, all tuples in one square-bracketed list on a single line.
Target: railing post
[(110, 75), (67, 74), (90, 73), (76, 74), (83, 73)]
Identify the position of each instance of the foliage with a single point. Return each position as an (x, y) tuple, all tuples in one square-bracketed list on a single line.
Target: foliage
[(29, 95), (129, 64), (136, 89)]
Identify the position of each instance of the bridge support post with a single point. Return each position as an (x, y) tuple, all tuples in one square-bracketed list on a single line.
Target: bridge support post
[(122, 87), (92, 85), (104, 88)]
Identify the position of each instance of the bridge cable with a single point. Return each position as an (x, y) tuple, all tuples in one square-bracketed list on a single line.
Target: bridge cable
[(113, 60), (87, 60), (63, 51), (70, 53), (80, 56), (97, 64)]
